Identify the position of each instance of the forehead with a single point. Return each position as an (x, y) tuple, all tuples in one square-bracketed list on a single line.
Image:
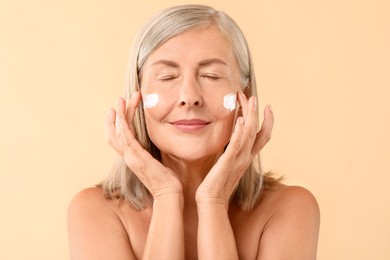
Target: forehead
[(196, 44)]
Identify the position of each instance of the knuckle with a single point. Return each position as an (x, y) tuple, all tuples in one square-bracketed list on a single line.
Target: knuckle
[(235, 145), (252, 134), (110, 141), (127, 142)]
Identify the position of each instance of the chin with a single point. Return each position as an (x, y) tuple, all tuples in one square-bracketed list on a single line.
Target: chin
[(189, 154)]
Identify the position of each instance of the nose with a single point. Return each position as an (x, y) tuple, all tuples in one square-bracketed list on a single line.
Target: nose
[(190, 93)]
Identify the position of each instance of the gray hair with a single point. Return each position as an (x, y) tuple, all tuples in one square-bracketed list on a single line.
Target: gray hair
[(124, 184)]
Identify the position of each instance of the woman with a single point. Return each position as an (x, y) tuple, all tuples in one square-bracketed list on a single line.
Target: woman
[(189, 185)]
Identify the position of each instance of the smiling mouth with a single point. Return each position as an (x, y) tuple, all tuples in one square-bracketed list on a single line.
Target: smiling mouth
[(190, 124)]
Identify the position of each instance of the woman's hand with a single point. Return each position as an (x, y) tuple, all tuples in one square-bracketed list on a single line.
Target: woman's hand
[(158, 179), (244, 145)]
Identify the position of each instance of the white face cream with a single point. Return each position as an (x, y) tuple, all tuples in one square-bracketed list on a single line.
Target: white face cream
[(150, 100), (229, 101)]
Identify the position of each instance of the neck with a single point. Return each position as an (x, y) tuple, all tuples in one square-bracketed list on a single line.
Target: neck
[(191, 173)]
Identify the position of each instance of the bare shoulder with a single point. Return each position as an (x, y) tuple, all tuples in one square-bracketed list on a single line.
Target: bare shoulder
[(292, 198), (95, 229), (90, 202), (89, 197), (280, 198), (292, 228)]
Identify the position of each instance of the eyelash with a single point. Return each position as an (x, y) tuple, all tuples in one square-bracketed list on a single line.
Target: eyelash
[(211, 77), (168, 78)]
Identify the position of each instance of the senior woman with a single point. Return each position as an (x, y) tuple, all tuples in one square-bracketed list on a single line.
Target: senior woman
[(189, 184)]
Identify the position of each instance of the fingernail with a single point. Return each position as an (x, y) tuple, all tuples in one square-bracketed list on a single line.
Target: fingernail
[(240, 120), (255, 101), (270, 108)]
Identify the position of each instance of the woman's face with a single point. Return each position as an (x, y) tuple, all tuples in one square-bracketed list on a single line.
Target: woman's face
[(188, 87)]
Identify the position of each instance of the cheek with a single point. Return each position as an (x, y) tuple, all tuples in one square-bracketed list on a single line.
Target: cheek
[(225, 108), (229, 101), (156, 107), (223, 104), (150, 100), (153, 119)]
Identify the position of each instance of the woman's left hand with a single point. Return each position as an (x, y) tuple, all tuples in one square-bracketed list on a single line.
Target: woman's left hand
[(245, 143)]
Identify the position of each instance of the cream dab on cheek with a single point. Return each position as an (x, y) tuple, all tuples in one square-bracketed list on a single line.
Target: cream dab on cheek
[(150, 100), (229, 101)]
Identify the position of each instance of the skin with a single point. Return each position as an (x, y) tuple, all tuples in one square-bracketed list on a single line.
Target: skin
[(191, 217)]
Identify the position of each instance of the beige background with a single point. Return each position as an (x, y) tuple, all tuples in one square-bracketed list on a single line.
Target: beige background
[(323, 65)]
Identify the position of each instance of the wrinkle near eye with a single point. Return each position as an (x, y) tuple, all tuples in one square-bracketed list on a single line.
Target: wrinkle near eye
[(164, 74), (214, 75), (215, 71), (167, 77)]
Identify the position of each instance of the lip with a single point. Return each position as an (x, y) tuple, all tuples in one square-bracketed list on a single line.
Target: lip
[(190, 124)]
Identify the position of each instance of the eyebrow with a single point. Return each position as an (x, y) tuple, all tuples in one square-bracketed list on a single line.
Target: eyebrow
[(166, 62), (211, 61), (202, 63)]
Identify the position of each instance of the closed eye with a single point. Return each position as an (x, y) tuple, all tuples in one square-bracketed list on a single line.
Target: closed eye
[(211, 76), (167, 77)]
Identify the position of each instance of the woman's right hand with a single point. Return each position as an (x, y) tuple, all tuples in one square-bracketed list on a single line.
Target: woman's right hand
[(157, 178)]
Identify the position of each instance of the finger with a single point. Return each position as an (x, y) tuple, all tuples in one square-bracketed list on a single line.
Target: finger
[(111, 129), (264, 135), (110, 122), (122, 127), (218, 175), (243, 101), (132, 106), (234, 145), (121, 111), (121, 106), (251, 122)]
